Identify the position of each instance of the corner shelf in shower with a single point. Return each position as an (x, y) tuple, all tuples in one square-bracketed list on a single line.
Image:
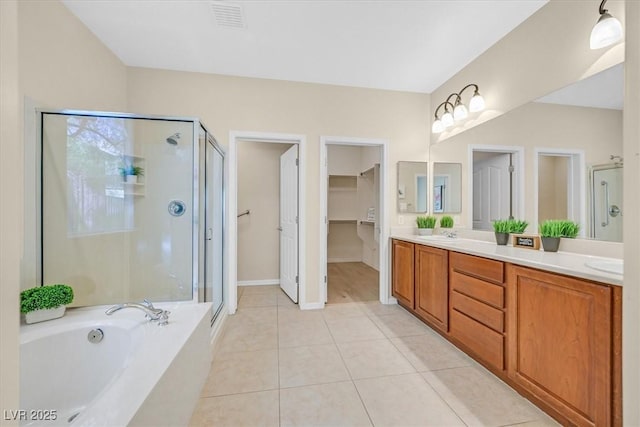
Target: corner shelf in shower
[(133, 188)]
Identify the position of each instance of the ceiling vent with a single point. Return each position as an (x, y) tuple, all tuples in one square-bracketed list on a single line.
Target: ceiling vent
[(228, 15)]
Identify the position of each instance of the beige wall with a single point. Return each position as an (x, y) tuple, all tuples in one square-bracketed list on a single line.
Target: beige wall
[(50, 57), (259, 191), (552, 188), (234, 103), (10, 219), (536, 125), (631, 292)]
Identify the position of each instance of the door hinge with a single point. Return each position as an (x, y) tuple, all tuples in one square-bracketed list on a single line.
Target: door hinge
[(296, 219), (325, 279), (296, 162), (511, 169), (297, 280)]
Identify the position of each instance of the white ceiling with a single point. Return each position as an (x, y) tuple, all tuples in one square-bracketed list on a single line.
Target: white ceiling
[(398, 45), (602, 90)]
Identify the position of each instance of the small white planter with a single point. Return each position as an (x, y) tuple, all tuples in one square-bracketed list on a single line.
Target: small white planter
[(132, 179), (425, 231), (42, 315)]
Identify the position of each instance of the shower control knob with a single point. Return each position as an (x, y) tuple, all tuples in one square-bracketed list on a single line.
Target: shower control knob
[(614, 211), (177, 208)]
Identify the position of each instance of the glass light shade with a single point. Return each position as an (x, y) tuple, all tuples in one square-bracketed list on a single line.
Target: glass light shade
[(447, 119), (460, 112), (607, 31), (477, 103), (437, 127)]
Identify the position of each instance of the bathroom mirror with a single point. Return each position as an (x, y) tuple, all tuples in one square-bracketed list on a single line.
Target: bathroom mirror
[(412, 187), (447, 195), (566, 138)]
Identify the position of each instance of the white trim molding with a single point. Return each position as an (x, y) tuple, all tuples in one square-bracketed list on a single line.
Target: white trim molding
[(576, 184), (232, 209), (385, 182)]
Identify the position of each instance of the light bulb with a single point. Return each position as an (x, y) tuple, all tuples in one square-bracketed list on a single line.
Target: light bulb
[(460, 112), (437, 126), (477, 103), (447, 119), (607, 31)]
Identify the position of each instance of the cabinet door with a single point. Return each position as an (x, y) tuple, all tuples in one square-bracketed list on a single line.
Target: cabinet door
[(559, 343), (402, 272), (432, 285)]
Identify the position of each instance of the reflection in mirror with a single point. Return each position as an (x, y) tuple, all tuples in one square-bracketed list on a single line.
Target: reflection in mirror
[(561, 185), (412, 187), (590, 123), (599, 98), (495, 186), (447, 187)]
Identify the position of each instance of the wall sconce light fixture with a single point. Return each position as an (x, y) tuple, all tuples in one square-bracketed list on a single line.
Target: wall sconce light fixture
[(607, 30), (457, 111)]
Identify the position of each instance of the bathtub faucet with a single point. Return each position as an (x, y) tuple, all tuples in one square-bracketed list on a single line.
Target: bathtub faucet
[(151, 313)]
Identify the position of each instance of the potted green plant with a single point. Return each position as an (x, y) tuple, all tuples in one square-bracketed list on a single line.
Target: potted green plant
[(130, 173), (517, 226), (501, 229), (45, 302), (553, 229), (426, 225), (446, 221)]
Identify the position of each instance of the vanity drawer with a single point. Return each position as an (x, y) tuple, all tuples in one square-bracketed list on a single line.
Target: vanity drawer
[(487, 315), (478, 289), (487, 344), (483, 268)]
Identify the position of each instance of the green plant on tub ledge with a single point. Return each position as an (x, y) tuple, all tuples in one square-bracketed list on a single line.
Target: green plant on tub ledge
[(130, 173), (503, 227), (426, 224), (553, 229), (45, 302)]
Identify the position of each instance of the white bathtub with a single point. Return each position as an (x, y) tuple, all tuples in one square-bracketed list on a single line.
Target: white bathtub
[(139, 374)]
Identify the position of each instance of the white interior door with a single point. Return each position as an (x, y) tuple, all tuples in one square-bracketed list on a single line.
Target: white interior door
[(289, 222), (491, 190)]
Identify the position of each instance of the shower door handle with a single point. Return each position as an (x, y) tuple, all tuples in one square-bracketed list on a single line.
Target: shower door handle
[(605, 184), (209, 234)]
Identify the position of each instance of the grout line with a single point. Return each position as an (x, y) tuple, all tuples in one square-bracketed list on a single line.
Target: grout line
[(443, 399)]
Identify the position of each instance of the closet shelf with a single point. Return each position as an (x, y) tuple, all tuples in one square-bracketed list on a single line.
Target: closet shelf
[(343, 221)]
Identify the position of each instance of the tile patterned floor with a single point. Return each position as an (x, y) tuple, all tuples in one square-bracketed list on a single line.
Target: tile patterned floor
[(354, 364)]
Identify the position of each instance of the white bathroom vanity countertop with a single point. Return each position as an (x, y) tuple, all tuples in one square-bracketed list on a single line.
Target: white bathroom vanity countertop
[(568, 263)]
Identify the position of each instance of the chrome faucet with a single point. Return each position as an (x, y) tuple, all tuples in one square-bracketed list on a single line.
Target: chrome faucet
[(450, 234), (151, 313)]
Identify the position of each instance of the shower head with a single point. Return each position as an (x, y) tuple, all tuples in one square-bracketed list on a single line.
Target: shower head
[(173, 139)]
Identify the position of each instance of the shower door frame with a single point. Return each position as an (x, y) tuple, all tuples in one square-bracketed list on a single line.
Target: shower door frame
[(197, 228)]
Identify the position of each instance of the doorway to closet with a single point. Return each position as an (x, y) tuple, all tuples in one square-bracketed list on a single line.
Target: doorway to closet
[(353, 212)]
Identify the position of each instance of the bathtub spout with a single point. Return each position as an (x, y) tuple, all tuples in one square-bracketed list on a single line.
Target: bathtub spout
[(151, 313)]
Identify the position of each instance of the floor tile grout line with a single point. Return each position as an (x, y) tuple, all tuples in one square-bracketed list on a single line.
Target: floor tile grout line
[(443, 399)]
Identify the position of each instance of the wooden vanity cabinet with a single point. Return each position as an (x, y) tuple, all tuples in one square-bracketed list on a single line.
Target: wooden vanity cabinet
[(476, 307), (561, 344), (432, 286), (402, 272)]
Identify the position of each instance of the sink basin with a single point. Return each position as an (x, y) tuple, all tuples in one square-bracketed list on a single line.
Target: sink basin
[(615, 266)]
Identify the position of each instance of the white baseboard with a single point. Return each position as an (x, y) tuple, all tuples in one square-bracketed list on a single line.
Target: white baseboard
[(311, 306), (267, 282), (353, 259)]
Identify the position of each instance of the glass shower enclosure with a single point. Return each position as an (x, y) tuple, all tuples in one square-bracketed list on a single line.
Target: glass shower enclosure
[(132, 207)]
